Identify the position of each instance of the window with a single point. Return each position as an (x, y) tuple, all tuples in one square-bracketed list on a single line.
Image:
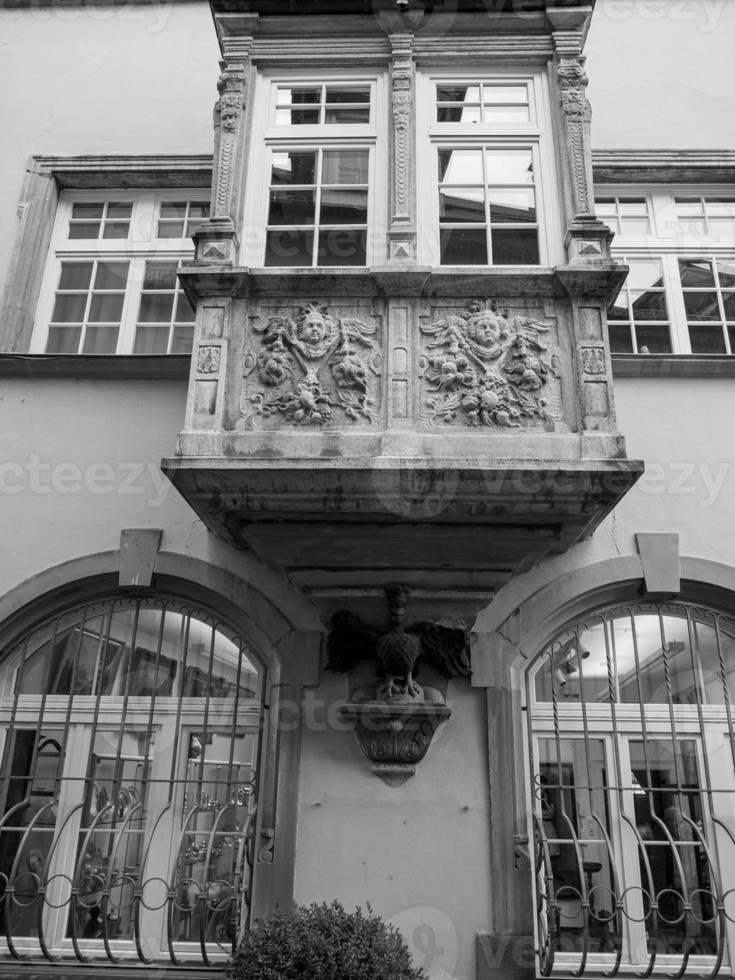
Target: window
[(110, 285), (129, 734), (633, 789), (318, 167), (485, 166), (680, 295)]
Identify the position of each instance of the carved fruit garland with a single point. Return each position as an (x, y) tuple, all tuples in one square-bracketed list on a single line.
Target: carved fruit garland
[(487, 369), (307, 346)]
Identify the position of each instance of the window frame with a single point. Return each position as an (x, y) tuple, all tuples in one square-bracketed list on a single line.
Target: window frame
[(668, 242), (269, 136), (141, 246), (535, 134)]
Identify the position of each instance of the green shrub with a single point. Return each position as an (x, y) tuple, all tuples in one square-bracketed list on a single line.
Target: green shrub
[(323, 942)]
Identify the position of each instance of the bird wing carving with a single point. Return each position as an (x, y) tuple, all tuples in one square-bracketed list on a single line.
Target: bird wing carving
[(350, 641), (445, 648)]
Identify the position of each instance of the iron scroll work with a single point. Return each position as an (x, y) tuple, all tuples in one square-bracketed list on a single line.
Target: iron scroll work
[(129, 789)]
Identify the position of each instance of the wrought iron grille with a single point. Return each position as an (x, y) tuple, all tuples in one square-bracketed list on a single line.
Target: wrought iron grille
[(633, 785), (130, 734)]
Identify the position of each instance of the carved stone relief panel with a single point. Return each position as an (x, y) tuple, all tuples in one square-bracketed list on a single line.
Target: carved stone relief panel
[(489, 368), (314, 365)]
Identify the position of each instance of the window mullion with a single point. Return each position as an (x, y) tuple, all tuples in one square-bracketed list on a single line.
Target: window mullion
[(679, 323)]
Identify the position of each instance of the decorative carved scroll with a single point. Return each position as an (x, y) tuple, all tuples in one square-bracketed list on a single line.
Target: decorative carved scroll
[(402, 99), (315, 369), (577, 116), (484, 368)]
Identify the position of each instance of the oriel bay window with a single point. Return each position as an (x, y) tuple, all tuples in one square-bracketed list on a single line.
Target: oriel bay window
[(129, 733), (633, 791)]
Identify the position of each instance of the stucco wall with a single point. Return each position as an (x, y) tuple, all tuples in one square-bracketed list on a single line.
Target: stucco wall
[(113, 79), (661, 73)]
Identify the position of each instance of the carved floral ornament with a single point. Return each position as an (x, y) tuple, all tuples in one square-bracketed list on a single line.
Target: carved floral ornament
[(486, 368), (572, 85), (311, 367)]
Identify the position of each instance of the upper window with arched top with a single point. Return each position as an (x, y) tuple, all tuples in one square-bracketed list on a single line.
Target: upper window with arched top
[(130, 740)]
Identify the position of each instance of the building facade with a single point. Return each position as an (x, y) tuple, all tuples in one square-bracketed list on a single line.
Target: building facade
[(365, 483)]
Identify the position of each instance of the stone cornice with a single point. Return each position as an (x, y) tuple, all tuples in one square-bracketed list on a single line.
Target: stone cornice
[(130, 170), (663, 166)]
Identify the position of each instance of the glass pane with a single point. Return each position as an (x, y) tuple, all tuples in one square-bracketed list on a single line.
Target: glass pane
[(664, 668), (689, 206), (289, 248), (84, 229), (619, 310), (100, 340), (706, 340), (728, 301), (111, 275), (199, 209), (648, 306), (151, 340), (723, 207), (119, 212), (462, 204), (645, 273), (87, 210), (458, 114), (512, 206), (185, 312), (346, 94), (170, 229), (341, 247), (726, 271), (635, 226), (173, 209), (668, 808), (694, 227), (297, 117), (633, 206), (63, 340), (75, 275), (515, 247), (460, 166), (701, 306), (655, 339), (621, 341), (183, 340), (506, 114), (344, 116), (345, 167), (516, 94), (343, 207), (722, 230), (292, 207), (458, 93), (160, 275), (156, 307), (509, 167), (572, 805), (116, 229), (294, 168), (69, 308), (460, 246), (696, 273), (106, 308), (299, 96)]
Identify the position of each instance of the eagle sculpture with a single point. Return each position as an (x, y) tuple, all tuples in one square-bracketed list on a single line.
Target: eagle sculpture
[(398, 650)]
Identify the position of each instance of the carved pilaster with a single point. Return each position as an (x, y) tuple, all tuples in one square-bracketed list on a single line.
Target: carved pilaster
[(576, 114), (217, 241), (402, 233)]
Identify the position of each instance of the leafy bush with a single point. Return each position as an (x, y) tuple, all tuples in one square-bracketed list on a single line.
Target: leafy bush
[(323, 942)]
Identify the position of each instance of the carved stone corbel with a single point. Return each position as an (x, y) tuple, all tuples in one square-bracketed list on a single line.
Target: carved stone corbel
[(402, 233), (217, 240)]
